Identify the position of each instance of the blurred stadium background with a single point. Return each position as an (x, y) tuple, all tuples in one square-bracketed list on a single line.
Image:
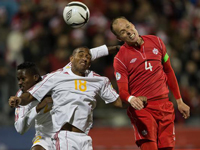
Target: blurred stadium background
[(34, 30)]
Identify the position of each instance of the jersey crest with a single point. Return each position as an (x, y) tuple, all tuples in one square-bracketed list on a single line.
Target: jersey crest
[(155, 51)]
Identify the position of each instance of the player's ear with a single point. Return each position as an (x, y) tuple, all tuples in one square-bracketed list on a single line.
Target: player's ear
[(71, 58), (36, 77)]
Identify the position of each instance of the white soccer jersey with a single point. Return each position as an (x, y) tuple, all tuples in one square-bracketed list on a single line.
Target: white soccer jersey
[(26, 116), (74, 96)]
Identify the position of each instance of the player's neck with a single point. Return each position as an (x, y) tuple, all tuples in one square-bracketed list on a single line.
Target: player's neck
[(137, 44), (78, 73)]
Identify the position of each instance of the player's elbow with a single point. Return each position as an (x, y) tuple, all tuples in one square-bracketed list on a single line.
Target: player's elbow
[(118, 103), (19, 129)]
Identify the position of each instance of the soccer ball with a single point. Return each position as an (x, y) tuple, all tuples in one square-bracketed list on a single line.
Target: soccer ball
[(76, 14)]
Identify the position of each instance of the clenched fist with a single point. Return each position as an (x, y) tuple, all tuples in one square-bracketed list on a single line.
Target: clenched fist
[(14, 101), (138, 102)]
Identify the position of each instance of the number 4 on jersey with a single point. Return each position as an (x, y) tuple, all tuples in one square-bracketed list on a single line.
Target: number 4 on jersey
[(148, 67)]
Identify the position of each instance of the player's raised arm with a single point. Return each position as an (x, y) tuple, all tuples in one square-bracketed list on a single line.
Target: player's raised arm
[(103, 50)]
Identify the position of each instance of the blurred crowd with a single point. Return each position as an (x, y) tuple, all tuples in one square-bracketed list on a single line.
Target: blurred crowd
[(34, 30)]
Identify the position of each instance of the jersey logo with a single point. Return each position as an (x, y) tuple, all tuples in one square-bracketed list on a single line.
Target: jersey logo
[(118, 76), (155, 51), (67, 67), (144, 133), (133, 60)]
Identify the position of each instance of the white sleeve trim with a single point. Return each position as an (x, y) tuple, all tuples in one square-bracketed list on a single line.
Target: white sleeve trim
[(99, 52)]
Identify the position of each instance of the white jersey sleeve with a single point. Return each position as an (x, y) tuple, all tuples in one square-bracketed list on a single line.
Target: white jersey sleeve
[(98, 52), (25, 116), (107, 93)]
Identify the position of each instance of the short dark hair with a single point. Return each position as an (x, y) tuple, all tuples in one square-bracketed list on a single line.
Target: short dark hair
[(75, 50), (30, 67), (113, 22)]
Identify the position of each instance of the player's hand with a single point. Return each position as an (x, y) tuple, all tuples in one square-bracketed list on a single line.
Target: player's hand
[(136, 103), (183, 108), (14, 101), (118, 47), (143, 99), (113, 49), (43, 103)]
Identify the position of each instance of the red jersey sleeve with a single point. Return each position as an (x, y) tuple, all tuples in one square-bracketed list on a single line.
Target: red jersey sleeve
[(121, 75), (171, 78)]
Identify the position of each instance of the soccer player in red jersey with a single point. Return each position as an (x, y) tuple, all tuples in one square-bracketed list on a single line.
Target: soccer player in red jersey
[(142, 68)]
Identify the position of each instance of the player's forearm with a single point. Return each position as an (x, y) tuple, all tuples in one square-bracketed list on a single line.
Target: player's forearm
[(26, 98), (119, 103), (171, 80), (19, 126), (113, 49), (103, 50), (173, 85), (123, 91), (24, 123)]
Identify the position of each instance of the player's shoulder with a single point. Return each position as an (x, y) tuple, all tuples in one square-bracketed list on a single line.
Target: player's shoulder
[(53, 73), (93, 74), (152, 38), (121, 52), (149, 36), (57, 71)]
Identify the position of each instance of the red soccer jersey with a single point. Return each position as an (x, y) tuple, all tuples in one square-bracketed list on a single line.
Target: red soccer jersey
[(142, 68)]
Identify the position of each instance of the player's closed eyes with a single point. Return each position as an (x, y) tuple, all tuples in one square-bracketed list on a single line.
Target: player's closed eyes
[(82, 55), (122, 32)]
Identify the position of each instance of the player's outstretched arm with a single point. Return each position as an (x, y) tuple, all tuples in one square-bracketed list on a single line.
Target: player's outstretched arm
[(113, 49), (136, 102), (119, 103), (103, 50), (24, 99)]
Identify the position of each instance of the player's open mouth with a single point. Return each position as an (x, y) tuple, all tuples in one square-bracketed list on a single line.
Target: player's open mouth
[(132, 36), (83, 63)]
